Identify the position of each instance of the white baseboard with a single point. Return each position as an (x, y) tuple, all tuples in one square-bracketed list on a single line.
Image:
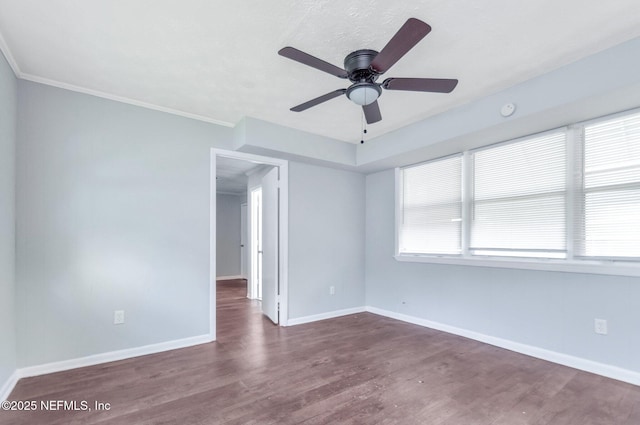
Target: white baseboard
[(609, 371), (111, 356), (229, 277), (8, 386), (323, 316)]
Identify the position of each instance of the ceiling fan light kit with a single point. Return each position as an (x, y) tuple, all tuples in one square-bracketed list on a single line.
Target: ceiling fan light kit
[(363, 67), (364, 93)]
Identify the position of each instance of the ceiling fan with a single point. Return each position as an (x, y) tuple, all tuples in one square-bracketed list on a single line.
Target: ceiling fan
[(363, 67)]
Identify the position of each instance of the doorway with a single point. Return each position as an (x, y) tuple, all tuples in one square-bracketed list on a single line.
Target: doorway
[(274, 258)]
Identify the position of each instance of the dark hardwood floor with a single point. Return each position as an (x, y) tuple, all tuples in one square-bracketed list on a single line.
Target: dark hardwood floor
[(358, 369)]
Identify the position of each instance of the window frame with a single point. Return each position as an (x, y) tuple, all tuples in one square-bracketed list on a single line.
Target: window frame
[(572, 263)]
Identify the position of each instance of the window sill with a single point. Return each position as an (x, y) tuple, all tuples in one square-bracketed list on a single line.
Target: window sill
[(616, 268)]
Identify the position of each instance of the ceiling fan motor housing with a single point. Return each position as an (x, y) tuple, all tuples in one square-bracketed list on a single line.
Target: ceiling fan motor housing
[(357, 66)]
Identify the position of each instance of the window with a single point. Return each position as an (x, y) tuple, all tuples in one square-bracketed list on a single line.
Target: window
[(519, 197), (431, 207), (563, 200), (611, 189)]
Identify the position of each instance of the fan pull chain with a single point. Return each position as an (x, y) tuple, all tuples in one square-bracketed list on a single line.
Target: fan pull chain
[(362, 128)]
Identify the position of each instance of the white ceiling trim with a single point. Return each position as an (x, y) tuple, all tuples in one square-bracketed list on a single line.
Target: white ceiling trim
[(7, 54), (122, 99)]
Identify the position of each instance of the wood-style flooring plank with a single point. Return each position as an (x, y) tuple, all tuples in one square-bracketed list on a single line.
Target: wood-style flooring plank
[(357, 369)]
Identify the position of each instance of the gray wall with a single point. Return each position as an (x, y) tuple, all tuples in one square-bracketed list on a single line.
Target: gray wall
[(8, 105), (326, 235), (228, 234), (112, 213), (551, 310)]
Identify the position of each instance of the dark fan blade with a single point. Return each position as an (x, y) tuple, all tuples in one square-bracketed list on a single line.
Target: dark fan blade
[(305, 58), (372, 112), (318, 100), (437, 85), (408, 36)]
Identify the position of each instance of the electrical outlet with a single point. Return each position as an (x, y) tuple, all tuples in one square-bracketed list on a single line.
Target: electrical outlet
[(332, 290), (601, 326), (118, 317)]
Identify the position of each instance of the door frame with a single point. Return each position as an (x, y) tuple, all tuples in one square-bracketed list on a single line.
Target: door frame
[(283, 232)]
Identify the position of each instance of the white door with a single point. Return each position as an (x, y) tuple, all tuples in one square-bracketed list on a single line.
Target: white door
[(243, 241), (270, 272), (256, 244)]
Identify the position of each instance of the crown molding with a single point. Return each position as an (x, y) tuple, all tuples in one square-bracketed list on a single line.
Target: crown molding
[(10, 59), (122, 99)]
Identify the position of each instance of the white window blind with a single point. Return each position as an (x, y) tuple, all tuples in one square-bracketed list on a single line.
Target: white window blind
[(519, 198), (611, 189), (431, 207)]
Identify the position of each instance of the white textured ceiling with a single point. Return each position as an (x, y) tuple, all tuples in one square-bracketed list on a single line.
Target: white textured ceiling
[(218, 60)]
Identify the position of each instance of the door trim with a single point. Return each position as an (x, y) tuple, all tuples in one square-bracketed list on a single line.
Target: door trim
[(283, 234)]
